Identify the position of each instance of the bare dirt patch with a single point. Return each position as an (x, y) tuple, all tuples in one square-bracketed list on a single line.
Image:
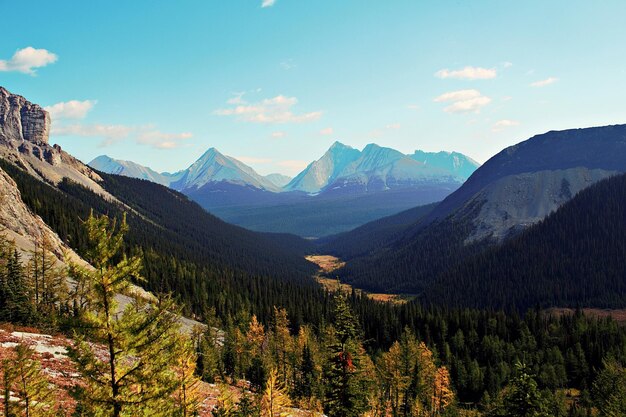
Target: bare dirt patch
[(617, 315)]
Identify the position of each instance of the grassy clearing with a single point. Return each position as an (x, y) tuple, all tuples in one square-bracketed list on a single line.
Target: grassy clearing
[(329, 263)]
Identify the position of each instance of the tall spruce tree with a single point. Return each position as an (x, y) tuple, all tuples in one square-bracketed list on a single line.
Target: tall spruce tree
[(347, 385), (134, 377), (609, 389), (523, 398)]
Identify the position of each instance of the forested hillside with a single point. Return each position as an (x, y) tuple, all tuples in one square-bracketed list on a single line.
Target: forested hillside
[(202, 260), (574, 257)]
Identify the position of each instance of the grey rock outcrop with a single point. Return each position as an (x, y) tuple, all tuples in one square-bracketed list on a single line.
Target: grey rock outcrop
[(21, 120), (24, 134)]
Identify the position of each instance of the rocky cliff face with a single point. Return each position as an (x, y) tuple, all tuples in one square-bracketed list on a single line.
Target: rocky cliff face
[(21, 120), (513, 203), (20, 225), (24, 133)]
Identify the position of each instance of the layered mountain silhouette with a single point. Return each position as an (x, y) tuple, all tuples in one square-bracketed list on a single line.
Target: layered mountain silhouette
[(342, 190), (509, 197)]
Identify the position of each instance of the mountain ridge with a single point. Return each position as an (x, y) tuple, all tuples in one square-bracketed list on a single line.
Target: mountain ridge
[(514, 191)]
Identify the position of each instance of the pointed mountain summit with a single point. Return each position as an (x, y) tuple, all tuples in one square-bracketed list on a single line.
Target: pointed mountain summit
[(211, 167), (318, 174)]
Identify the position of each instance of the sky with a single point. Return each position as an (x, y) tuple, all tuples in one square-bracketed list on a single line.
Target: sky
[(275, 82)]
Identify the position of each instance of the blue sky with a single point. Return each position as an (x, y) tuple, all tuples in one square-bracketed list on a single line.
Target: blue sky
[(276, 83)]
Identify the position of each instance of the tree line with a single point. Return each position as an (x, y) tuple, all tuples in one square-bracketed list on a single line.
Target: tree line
[(142, 364)]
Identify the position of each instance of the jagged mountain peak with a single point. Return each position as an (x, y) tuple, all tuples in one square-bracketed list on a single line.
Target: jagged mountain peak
[(211, 167), (343, 166), (338, 145), (459, 164)]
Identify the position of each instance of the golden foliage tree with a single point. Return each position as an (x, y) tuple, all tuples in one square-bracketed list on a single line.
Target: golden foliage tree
[(442, 392), (275, 398), (187, 395), (23, 378)]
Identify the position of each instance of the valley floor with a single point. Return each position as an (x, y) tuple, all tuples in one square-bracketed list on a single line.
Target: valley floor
[(329, 263)]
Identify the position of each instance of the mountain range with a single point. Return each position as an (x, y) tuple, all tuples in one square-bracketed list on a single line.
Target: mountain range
[(45, 192), (342, 190), (540, 223), (508, 199)]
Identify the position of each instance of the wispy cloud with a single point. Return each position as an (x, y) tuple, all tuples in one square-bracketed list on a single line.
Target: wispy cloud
[(500, 125), (279, 134), (463, 101), (413, 107), (72, 109), (268, 3), (393, 126), (27, 60), (111, 134), (543, 83), (161, 140), (507, 64), (237, 98), (327, 131), (468, 73), (287, 64), (272, 110)]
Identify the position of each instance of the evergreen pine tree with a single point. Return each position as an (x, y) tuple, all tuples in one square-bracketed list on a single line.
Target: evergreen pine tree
[(523, 398), (135, 376), (609, 389), (347, 386)]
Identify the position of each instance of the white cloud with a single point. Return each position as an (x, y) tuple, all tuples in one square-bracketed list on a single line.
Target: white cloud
[(507, 64), (72, 109), (267, 3), (271, 110), (287, 64), (107, 132), (393, 126), (468, 73), (458, 96), (237, 98), (111, 134), (279, 134), (543, 83), (27, 60), (327, 131), (463, 101), (253, 160), (500, 125), (413, 107)]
